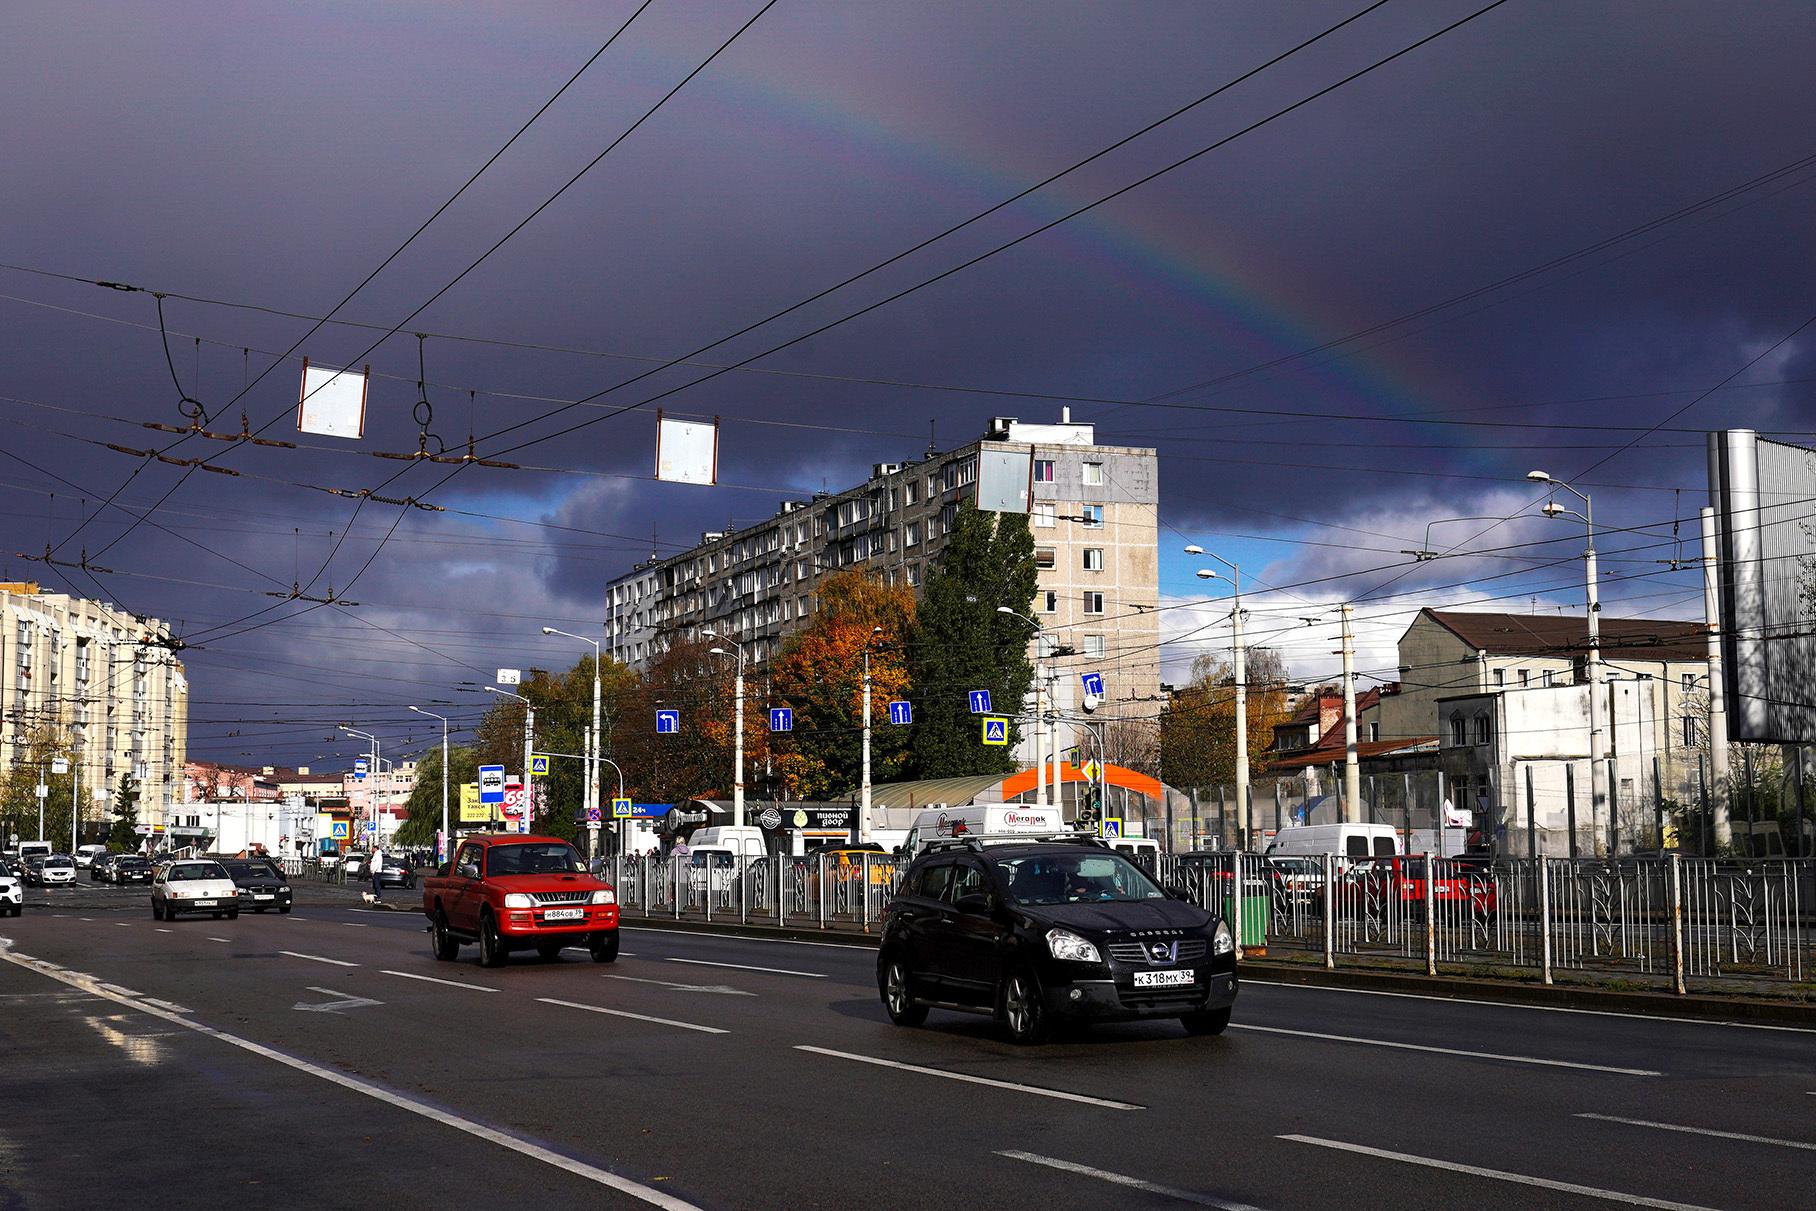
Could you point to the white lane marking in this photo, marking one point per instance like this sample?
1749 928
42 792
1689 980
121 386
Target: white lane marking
1061 1094
1709 1131
317 958
1500 1175
124 924
1123 1179
738 937
212 938
623 954
1595 1013
346 1001
725 989
354 925
779 971
517 1144
158 929
294 917
641 1017
410 975
1473 1055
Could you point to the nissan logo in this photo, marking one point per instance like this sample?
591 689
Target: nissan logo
1160 952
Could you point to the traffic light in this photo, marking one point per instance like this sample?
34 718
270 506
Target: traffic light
1090 807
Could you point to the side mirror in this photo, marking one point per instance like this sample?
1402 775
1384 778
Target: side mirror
1177 891
975 904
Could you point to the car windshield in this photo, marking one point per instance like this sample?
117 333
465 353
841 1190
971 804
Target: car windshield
534 858
132 863
1076 878
250 870
57 860
184 871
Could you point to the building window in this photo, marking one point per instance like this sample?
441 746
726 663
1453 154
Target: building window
1049 601
1093 645
1093 475
1043 470
1525 678
1459 732
1500 677
914 574
908 492
1093 603
1689 682
1374 732
1092 517
911 535
1046 516
1484 729
1044 557
1093 559
1547 678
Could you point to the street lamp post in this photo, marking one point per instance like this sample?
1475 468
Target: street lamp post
1046 738
593 747
864 790
1239 659
737 759
529 748
446 849
1598 788
371 775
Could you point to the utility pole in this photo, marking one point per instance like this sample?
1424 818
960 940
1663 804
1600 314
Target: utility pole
1059 783
1352 771
529 750
864 787
737 773
1718 710
1239 666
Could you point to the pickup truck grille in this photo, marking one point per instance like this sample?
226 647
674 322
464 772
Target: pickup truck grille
1191 950
563 897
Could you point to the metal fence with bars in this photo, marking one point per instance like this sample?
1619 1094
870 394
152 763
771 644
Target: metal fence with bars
1664 921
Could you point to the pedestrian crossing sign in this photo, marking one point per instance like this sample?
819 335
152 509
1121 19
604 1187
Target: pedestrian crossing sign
1112 828
539 765
621 809
996 731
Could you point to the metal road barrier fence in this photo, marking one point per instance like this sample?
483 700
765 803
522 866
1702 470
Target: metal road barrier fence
1658 921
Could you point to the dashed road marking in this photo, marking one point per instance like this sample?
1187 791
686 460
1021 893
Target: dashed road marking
159 929
212 938
641 1017
1473 1055
410 975
1709 1131
1123 1179
1037 1090
1499 1175
317 958
779 971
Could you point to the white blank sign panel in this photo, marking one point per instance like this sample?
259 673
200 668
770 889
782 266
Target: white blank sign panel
332 403
687 452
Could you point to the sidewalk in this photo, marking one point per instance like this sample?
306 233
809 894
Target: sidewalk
1793 1006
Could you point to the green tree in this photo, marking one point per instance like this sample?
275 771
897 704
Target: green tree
122 837
1198 725
19 803
960 642
819 673
423 808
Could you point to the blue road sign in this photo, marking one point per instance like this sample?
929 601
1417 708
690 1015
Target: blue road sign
901 711
781 719
667 722
539 765
1093 683
622 809
359 769
980 702
491 784
996 731
1111 828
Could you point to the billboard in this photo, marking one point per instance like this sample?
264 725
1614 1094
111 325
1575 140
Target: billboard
1764 493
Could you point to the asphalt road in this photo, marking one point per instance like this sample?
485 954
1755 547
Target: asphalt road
325 1059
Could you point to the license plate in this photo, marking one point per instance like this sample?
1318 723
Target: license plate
1163 979
204 903
263 897
564 914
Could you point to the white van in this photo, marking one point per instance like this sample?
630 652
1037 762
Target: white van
86 855
1143 851
28 848
1347 841
991 820
746 840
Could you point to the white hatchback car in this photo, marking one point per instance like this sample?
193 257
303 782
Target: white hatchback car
12 891
58 868
193 886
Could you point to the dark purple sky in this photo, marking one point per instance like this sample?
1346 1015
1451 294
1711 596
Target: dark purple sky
274 154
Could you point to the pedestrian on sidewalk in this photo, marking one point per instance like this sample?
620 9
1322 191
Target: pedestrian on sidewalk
378 887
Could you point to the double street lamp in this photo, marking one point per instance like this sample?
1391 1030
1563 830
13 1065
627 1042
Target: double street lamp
371 775
737 772
529 747
446 850
593 746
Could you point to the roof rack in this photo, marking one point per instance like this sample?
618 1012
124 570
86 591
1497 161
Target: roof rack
973 841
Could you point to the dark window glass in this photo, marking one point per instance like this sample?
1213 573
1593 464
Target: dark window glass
1356 847
935 879
1384 847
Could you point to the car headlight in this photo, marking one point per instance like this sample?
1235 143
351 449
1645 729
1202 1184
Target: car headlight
284 891
1064 944
517 899
608 896
1222 942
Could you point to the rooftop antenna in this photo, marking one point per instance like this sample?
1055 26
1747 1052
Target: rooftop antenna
932 442
652 541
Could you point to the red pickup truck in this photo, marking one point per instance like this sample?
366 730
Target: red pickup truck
508 891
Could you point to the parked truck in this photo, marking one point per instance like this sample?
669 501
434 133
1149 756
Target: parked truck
516 891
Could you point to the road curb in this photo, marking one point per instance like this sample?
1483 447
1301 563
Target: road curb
1508 992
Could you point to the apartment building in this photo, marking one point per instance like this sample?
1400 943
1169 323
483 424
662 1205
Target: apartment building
109 683
1092 511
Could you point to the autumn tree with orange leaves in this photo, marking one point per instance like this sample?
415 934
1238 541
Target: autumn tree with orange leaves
820 673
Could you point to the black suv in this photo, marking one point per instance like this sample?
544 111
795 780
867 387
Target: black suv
1044 931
